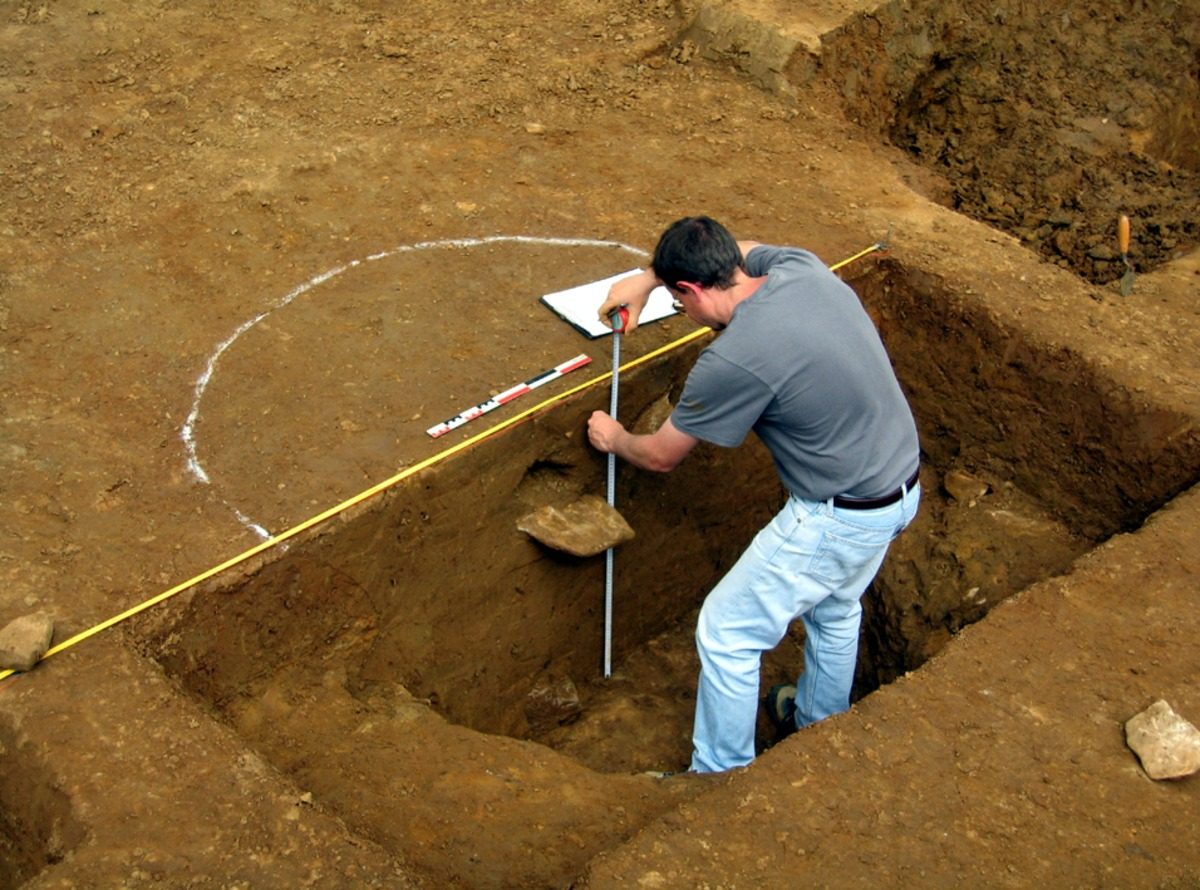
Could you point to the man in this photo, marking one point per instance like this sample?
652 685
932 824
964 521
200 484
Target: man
800 363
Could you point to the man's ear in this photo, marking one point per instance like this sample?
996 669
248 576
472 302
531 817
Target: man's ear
690 286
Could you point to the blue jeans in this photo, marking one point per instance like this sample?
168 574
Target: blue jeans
812 560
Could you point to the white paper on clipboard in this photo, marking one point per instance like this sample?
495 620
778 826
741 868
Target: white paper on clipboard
578 305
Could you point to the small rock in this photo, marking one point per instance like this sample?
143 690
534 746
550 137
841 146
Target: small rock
653 417
685 52
533 128
584 528
25 640
553 701
1167 745
994 198
964 487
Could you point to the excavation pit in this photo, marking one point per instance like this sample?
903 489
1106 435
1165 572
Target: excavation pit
1042 121
174 169
431 675
37 824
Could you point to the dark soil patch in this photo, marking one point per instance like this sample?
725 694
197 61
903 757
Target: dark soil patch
1049 122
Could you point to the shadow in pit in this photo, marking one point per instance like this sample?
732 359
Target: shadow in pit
37 825
1034 456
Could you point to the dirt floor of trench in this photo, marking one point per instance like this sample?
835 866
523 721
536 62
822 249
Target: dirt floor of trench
250 255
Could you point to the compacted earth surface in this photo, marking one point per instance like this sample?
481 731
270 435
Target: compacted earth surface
250 253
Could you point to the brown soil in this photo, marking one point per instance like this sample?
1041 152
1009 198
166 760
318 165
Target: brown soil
1051 136
249 254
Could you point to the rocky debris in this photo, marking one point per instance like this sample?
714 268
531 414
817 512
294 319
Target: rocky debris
1167 745
584 528
24 641
1045 145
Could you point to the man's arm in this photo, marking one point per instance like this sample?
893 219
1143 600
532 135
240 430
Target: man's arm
634 292
661 451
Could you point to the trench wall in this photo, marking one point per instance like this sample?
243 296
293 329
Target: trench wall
1045 121
991 397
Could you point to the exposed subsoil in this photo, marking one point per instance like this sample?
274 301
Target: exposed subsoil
249 256
1087 114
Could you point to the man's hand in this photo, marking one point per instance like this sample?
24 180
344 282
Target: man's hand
632 292
603 432
659 452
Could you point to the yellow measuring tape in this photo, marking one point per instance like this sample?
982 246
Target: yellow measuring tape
304 526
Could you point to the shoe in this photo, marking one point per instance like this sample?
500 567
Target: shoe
780 705
667 774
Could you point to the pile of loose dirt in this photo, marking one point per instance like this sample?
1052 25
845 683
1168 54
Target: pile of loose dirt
1050 123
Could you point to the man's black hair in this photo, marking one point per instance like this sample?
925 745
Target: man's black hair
697 249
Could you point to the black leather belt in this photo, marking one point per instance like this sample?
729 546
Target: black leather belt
875 503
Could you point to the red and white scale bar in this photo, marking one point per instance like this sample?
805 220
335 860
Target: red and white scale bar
507 396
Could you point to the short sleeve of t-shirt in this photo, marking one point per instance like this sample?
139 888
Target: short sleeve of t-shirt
801 363
760 258
720 402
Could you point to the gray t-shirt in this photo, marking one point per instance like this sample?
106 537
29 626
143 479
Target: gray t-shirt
802 365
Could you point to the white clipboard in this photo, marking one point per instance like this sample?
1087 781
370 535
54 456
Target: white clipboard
577 306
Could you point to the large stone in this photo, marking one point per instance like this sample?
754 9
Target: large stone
24 641
1167 745
653 417
584 528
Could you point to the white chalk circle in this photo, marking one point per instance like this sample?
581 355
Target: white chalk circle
309 402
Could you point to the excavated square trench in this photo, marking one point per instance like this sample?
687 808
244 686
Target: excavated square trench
432 675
